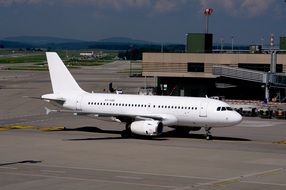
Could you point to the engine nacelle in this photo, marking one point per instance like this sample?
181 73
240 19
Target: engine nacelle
147 128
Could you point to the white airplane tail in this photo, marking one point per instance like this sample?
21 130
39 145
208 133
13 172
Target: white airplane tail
62 80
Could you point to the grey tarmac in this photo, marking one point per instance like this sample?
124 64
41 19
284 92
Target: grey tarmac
63 151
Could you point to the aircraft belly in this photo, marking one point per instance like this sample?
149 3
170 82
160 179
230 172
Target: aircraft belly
186 121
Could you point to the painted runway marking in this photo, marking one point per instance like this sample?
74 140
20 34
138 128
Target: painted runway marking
132 172
264 183
258 124
10 168
53 171
83 179
239 178
129 177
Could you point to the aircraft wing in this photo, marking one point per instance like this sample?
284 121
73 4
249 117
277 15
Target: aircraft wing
167 119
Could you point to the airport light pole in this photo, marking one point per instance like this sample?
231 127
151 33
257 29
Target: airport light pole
262 42
208 12
221 44
186 46
232 40
271 41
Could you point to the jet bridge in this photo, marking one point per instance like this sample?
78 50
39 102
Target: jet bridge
273 79
270 79
238 73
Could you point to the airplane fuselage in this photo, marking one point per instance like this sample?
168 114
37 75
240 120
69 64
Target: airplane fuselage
143 115
176 111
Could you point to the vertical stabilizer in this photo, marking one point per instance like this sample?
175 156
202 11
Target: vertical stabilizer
61 78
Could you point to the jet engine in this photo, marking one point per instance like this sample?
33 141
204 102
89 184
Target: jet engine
147 127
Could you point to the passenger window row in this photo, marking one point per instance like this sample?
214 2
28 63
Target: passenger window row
118 104
178 107
141 105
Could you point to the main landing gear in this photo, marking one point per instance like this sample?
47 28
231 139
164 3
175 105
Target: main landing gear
208 133
127 132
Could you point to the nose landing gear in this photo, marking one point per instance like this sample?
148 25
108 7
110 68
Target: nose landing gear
208 133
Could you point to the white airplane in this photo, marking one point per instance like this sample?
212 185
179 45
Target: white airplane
143 115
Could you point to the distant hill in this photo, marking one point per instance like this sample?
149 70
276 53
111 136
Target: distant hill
124 40
40 40
10 44
54 43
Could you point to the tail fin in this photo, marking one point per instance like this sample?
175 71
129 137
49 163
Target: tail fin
61 78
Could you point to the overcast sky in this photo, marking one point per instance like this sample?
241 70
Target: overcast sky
249 21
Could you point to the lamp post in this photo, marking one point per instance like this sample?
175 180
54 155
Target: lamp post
207 13
186 46
232 41
262 42
221 44
271 41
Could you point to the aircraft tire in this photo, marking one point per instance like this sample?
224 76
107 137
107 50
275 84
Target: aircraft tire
209 137
126 134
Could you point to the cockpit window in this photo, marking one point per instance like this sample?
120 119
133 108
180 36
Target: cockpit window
224 109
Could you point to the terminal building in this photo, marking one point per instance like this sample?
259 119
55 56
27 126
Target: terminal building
252 75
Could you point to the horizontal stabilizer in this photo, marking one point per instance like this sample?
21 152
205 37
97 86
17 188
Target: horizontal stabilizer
53 97
48 111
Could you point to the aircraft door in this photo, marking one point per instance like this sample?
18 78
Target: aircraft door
78 103
203 108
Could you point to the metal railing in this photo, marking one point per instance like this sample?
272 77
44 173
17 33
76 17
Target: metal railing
238 73
277 79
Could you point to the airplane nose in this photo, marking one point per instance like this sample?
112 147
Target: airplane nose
237 118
